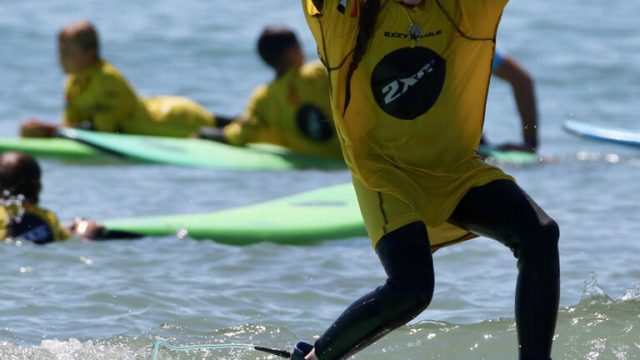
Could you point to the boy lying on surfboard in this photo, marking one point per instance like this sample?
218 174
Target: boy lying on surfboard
98 97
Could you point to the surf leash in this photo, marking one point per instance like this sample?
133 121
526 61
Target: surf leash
156 347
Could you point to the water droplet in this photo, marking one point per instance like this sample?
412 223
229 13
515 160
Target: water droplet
182 234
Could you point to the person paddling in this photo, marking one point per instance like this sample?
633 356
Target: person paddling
293 110
98 97
22 217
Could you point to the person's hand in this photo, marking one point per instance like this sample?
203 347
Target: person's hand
37 128
517 147
85 229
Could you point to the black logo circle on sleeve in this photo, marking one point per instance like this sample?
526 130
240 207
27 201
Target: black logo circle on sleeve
407 82
313 123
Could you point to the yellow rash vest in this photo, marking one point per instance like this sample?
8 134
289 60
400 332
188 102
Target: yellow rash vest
293 111
100 98
410 114
32 223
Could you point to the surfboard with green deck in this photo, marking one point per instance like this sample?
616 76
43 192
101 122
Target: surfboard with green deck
510 157
95 146
198 152
323 214
51 148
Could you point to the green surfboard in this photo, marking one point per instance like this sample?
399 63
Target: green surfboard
94 146
197 152
510 157
51 148
323 214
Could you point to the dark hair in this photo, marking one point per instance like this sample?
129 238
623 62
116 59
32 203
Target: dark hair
20 175
84 34
366 26
273 42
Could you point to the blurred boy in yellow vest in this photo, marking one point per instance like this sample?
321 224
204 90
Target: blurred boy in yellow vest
294 110
98 97
21 216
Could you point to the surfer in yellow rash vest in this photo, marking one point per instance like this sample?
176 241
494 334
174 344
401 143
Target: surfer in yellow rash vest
98 97
409 81
21 216
292 111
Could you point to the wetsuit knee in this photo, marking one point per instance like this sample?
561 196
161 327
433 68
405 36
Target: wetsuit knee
538 240
529 231
550 234
407 300
406 257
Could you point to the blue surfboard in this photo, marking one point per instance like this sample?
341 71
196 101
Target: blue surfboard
604 134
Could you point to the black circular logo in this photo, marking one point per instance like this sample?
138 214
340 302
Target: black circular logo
313 123
407 82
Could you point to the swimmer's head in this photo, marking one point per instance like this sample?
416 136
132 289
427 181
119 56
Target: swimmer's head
78 47
20 175
280 49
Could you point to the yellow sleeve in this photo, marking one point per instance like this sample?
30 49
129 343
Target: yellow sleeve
4 223
114 101
60 232
246 129
316 71
312 14
334 28
72 116
482 16
312 7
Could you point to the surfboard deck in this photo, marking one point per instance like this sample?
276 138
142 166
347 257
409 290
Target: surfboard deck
510 157
198 152
93 146
51 148
323 214
603 133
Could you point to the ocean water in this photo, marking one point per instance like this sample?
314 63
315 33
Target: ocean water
113 300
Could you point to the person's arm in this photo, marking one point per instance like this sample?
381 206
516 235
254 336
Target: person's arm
243 129
88 230
523 87
36 128
214 134
224 120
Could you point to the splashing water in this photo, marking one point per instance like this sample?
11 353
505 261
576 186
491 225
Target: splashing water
14 204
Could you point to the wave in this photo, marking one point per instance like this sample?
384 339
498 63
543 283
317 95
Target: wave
598 327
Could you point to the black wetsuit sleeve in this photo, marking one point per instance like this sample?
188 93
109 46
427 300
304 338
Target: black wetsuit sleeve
105 234
223 120
214 134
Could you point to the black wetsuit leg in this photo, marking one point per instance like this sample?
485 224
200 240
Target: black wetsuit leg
406 257
502 210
